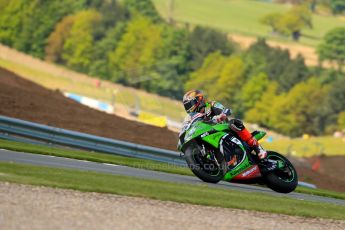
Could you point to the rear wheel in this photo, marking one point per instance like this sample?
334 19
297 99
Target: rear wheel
284 179
207 170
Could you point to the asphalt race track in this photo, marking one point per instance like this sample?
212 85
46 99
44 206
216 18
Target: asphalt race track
59 162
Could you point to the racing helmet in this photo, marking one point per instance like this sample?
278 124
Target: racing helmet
194 101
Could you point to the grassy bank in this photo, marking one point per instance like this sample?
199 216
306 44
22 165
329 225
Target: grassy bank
196 194
132 162
126 97
242 17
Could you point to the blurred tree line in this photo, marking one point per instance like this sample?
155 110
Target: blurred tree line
335 6
276 91
290 23
129 43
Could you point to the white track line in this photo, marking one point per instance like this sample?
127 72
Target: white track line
109 164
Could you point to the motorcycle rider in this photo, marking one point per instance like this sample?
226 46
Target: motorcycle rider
195 102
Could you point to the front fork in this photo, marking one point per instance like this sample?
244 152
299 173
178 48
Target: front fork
208 155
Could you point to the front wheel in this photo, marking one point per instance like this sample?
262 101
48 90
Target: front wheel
206 170
284 179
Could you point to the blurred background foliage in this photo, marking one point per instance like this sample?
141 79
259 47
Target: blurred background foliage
128 42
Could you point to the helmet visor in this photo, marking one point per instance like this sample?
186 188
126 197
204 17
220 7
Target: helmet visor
190 105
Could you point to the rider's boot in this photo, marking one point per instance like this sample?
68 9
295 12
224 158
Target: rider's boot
269 165
246 136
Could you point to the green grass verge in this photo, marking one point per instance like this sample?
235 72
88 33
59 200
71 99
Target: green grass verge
320 192
196 194
242 17
95 157
132 162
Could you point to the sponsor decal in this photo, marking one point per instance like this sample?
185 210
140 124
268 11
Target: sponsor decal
246 173
205 134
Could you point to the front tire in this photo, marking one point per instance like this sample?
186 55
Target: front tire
197 165
281 180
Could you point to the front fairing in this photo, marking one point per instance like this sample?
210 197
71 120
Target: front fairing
210 133
196 130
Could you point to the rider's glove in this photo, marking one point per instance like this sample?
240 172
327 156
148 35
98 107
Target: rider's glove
219 118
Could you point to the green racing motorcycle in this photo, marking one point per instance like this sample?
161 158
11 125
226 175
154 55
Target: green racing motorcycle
214 152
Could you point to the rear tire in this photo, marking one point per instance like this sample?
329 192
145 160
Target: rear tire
281 181
192 153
